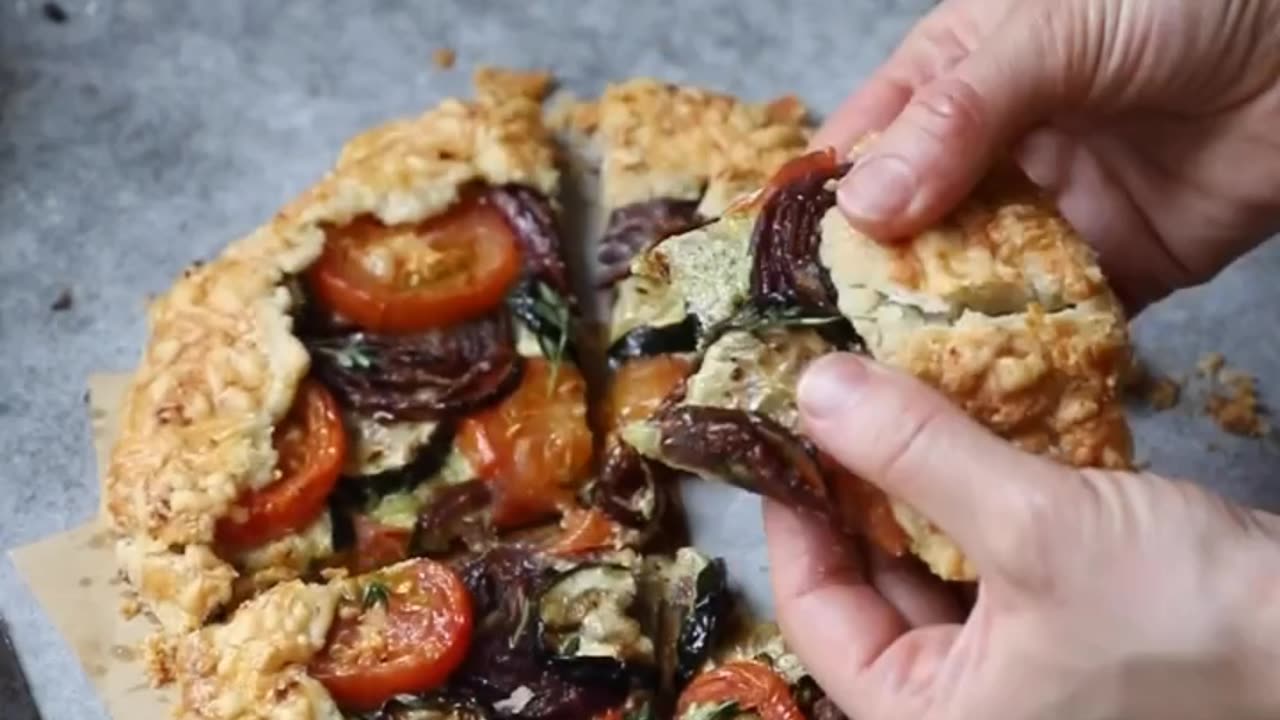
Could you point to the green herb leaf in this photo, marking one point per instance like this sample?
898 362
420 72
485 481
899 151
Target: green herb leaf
754 319
352 355
717 711
375 593
644 712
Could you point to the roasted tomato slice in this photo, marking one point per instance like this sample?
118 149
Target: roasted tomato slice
798 167
640 386
752 686
378 545
310 443
534 447
406 633
403 279
584 530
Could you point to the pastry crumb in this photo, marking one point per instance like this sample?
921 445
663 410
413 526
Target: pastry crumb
158 660
1210 364
129 608
64 301
444 58
1163 393
570 114
334 573
1235 405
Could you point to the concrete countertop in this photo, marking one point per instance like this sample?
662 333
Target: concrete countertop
138 135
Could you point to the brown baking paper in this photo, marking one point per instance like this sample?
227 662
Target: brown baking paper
73 576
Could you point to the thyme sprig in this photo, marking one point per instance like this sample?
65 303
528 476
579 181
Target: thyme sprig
375 593
353 354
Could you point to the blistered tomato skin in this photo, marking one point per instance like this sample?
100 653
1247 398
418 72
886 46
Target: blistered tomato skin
534 447
404 635
406 279
311 445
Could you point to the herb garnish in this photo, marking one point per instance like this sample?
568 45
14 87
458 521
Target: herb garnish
548 316
644 712
722 711
354 354
375 593
754 319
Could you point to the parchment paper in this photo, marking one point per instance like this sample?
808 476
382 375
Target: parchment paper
73 575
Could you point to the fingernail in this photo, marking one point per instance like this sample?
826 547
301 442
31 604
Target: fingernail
830 384
877 189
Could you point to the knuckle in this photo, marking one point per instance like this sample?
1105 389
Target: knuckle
1025 541
949 109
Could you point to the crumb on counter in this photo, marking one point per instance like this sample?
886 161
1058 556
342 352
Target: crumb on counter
444 58
64 301
55 13
1235 405
1210 364
129 608
1162 393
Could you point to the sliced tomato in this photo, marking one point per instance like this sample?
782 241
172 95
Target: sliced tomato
584 530
534 447
610 714
378 545
640 386
753 686
404 279
310 444
405 636
798 167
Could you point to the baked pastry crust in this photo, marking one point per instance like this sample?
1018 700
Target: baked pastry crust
222 364
669 141
1001 306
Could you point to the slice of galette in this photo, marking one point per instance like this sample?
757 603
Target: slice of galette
1001 306
670 159
384 369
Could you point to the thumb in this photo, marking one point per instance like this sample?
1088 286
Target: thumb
905 437
949 133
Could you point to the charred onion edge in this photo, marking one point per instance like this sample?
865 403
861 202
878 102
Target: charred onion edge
635 228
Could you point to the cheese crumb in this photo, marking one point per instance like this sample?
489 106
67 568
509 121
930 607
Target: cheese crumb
1236 407
443 58
1210 364
1162 393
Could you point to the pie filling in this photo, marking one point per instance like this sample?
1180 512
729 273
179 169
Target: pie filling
442 441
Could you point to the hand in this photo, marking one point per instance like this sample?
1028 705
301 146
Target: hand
1155 123
1103 594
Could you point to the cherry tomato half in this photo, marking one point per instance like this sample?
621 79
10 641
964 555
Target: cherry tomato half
378 545
640 386
405 636
310 443
753 686
584 530
404 279
534 447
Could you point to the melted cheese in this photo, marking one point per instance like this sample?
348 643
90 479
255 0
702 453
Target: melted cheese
380 445
757 372
644 302
597 600
709 267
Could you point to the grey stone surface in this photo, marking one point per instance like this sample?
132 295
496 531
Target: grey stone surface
142 134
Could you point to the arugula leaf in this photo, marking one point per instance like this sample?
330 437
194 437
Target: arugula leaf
375 593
